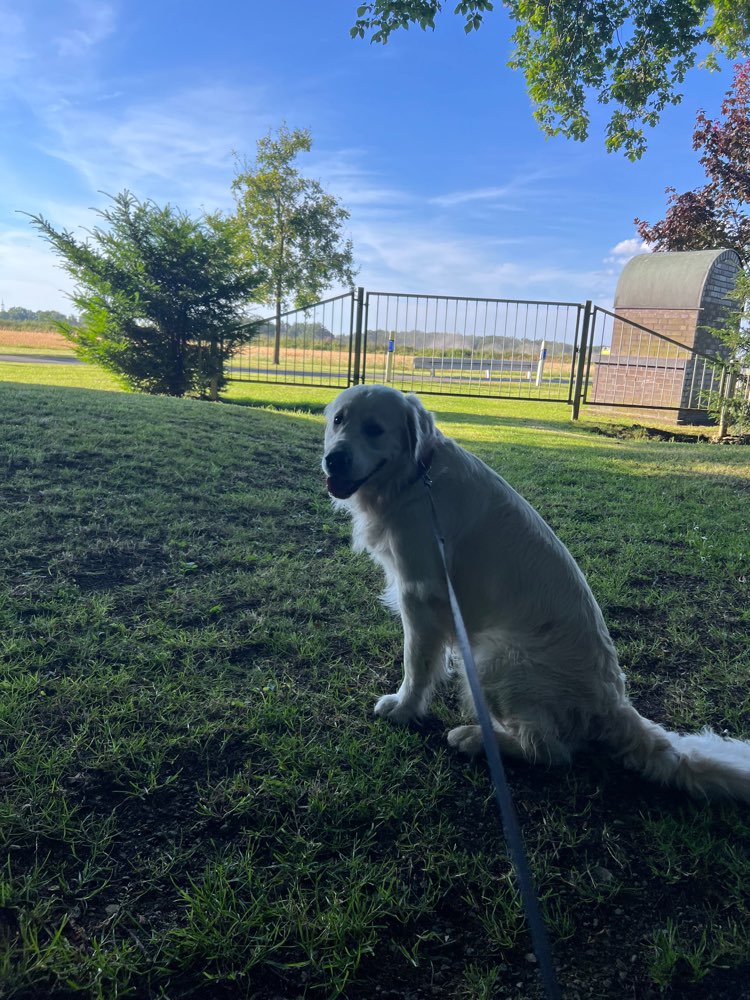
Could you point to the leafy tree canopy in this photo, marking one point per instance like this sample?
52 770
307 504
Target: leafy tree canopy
43 317
161 295
715 215
632 54
290 226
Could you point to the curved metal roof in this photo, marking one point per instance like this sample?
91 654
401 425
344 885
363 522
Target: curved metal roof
669 280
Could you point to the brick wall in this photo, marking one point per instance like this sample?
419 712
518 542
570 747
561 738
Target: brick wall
677 324
715 304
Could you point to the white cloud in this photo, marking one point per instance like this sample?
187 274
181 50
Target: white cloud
621 252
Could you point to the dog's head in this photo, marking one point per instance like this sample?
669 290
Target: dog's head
375 437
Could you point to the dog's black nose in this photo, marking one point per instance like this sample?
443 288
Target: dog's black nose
338 462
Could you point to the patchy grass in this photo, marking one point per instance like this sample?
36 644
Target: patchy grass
195 799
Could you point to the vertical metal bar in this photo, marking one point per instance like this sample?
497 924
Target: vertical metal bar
365 333
358 335
585 331
576 332
729 379
350 350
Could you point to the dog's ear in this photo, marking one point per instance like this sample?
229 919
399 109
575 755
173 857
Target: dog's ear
421 429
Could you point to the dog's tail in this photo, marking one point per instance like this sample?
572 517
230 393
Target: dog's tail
705 765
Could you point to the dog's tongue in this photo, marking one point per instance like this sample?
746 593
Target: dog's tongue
342 491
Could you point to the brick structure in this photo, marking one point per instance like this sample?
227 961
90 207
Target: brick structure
676 294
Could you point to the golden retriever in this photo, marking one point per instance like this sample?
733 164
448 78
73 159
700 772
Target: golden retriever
548 667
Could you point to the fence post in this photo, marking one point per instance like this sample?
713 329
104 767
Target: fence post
578 389
726 393
540 363
389 357
360 304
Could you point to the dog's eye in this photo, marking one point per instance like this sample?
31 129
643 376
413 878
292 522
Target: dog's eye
372 429
337 419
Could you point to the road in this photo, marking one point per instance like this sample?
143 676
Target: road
46 359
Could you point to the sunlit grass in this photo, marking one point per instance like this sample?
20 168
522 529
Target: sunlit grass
70 376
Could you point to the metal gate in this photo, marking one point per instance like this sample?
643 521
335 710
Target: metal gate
438 344
452 345
501 348
632 366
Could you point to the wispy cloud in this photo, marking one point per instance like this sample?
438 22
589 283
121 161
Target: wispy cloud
94 21
505 195
116 132
402 257
14 46
52 44
176 149
357 186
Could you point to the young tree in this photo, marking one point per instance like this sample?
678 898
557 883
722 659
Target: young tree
291 227
715 215
161 295
633 54
730 403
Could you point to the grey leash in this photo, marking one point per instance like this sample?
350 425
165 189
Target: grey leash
512 830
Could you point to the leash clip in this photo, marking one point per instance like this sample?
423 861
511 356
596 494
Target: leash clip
425 469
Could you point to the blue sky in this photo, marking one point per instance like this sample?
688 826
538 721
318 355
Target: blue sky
428 141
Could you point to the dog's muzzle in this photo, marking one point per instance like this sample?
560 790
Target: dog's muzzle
338 466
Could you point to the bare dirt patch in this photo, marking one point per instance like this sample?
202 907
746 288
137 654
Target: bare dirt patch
637 432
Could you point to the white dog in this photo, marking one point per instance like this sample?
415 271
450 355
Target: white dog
547 663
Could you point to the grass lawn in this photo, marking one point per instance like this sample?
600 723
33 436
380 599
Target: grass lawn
195 799
55 374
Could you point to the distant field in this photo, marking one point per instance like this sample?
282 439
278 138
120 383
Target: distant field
41 340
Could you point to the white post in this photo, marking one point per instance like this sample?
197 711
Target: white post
540 365
389 359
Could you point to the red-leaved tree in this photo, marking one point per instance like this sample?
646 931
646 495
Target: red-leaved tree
715 215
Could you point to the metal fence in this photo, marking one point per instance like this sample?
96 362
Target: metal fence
313 346
436 344
630 365
502 348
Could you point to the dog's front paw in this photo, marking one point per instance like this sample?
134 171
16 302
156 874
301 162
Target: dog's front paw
467 739
396 709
